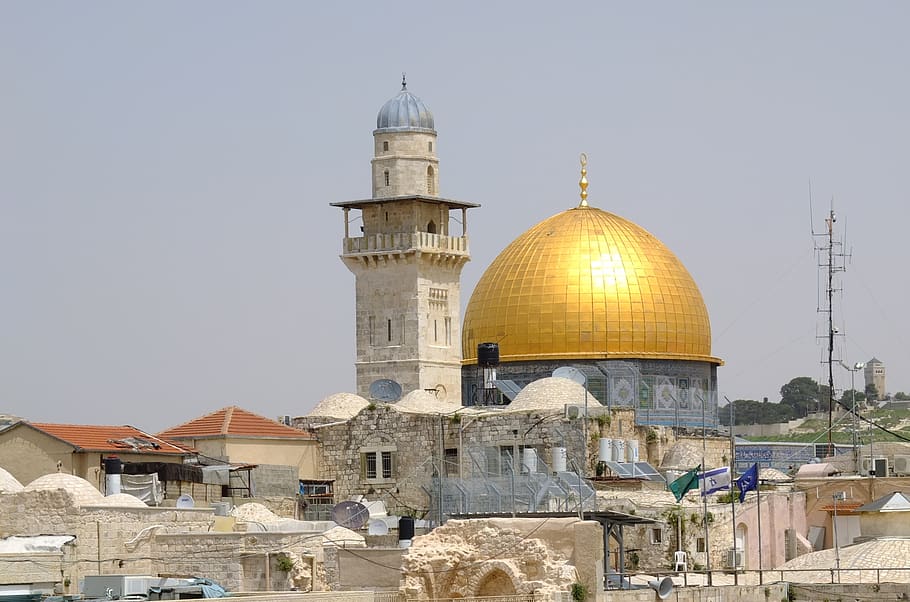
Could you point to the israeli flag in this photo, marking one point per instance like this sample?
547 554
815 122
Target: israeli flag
714 480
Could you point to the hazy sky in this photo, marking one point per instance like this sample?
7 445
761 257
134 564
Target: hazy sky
167 247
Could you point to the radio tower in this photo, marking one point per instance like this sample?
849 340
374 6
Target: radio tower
831 260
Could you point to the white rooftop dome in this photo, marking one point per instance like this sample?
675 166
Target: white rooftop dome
8 483
552 393
340 405
83 492
424 401
121 500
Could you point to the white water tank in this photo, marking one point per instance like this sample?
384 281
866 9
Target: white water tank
528 460
559 459
632 450
619 450
605 450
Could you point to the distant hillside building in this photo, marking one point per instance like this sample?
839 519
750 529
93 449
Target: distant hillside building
874 374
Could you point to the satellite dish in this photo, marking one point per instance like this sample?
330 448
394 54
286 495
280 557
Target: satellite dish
377 527
385 389
572 373
185 501
351 515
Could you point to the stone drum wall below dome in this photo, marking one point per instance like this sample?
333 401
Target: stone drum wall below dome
662 392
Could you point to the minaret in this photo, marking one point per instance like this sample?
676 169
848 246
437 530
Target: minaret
406 264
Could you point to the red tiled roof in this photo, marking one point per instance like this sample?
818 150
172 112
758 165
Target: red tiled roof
233 421
90 437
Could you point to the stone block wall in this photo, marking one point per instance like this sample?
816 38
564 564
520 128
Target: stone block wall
108 540
273 480
242 562
420 441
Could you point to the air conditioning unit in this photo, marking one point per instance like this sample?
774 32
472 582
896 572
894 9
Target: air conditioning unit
901 466
734 559
574 411
877 467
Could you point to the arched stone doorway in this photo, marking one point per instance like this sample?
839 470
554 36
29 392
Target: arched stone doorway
495 583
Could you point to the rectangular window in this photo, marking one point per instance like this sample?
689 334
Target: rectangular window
506 459
700 544
449 331
370 465
435 331
372 329
451 463
390 329
377 465
386 465
657 535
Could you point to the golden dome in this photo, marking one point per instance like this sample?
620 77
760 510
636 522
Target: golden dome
587 284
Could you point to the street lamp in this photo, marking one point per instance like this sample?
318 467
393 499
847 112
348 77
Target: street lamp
838 496
856 367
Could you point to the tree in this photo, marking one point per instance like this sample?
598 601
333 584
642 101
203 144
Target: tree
847 398
871 391
901 396
801 394
749 411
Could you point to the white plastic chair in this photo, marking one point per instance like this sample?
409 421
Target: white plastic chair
679 561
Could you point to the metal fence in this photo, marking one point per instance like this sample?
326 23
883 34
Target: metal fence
494 481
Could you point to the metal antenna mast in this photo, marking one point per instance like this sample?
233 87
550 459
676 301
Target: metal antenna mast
832 260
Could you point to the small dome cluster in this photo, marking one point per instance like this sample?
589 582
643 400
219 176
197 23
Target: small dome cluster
405 112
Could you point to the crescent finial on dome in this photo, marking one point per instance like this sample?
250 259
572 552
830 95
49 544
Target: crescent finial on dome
583 183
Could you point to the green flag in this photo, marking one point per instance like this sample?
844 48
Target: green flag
688 481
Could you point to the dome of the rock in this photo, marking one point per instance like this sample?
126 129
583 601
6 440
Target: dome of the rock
587 284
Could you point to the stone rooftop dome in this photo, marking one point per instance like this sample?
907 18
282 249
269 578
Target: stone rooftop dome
552 393
121 500
342 406
587 285
405 112
83 492
9 483
424 401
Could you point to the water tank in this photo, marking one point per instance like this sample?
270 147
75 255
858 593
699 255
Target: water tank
405 528
559 459
528 460
632 450
488 354
605 450
619 450
113 468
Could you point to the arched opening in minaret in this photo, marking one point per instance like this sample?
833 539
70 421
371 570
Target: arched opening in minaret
431 180
431 227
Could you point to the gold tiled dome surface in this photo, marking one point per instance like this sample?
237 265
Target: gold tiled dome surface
587 284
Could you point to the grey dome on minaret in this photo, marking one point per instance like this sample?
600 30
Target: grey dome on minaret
405 113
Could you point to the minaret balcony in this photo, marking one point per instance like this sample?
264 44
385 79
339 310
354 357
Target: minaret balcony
403 242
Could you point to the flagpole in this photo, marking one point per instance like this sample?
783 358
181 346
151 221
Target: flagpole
732 496
733 507
704 498
758 499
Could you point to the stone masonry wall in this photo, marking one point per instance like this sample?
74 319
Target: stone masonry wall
419 441
108 540
243 561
